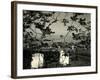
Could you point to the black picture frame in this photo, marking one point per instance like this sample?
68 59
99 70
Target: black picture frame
14 36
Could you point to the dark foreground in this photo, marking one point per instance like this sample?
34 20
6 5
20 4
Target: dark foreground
51 59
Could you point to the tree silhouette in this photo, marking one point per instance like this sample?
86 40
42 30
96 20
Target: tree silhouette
76 25
41 20
79 27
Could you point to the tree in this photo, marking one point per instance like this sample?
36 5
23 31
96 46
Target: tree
76 25
41 21
79 27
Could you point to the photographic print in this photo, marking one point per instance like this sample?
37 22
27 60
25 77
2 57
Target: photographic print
52 38
56 39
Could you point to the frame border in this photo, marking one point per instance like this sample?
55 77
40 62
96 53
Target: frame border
14 38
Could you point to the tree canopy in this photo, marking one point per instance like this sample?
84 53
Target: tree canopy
77 25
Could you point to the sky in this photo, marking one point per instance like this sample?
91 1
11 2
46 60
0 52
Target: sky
59 27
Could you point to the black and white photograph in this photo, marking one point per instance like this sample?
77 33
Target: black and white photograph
53 39
56 39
